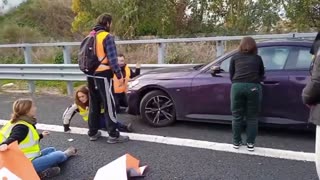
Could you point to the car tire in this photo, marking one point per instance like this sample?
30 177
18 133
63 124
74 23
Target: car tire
157 109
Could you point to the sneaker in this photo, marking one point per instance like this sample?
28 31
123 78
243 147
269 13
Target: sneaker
50 172
120 139
129 127
67 131
237 145
66 128
250 147
95 137
71 151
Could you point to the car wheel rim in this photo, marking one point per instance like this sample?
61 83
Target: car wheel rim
159 109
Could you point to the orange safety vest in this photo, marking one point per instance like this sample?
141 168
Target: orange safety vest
116 82
102 56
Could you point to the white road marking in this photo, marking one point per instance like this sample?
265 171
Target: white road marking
224 147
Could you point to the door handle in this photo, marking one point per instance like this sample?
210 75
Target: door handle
270 83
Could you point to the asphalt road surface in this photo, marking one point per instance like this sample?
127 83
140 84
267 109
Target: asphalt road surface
172 161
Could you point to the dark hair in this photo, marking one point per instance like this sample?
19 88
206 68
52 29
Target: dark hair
121 55
104 19
21 107
83 89
315 45
248 45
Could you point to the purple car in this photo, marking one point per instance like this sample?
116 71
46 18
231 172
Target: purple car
202 92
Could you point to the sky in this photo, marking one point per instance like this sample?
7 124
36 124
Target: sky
6 5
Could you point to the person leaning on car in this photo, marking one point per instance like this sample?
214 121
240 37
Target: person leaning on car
246 72
311 96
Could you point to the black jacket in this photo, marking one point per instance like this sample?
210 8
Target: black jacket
246 68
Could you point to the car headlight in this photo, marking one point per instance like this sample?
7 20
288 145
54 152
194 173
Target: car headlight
132 84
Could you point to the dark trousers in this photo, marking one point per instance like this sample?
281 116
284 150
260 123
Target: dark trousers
245 106
101 92
121 100
121 127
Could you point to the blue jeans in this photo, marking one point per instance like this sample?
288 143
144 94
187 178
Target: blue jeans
50 157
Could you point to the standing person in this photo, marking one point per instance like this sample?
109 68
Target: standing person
246 73
311 96
120 89
22 128
100 85
81 106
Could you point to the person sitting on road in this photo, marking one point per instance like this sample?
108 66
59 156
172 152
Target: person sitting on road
81 106
120 89
22 128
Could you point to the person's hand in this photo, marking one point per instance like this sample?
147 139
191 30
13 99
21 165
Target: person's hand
45 133
3 147
138 65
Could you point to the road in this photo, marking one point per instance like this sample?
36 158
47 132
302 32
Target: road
173 161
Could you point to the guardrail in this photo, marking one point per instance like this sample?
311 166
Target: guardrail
161 49
61 72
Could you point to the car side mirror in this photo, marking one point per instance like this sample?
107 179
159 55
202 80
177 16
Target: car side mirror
214 70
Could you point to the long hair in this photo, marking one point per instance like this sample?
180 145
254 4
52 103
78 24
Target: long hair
83 89
315 45
105 20
248 46
21 107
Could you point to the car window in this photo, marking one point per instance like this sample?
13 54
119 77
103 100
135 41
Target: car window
302 61
274 58
225 64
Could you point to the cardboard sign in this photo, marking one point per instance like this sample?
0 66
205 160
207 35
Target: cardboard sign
122 168
14 165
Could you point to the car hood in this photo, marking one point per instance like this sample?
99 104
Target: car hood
169 73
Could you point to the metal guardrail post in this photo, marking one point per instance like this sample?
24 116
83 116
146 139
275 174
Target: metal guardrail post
219 48
67 60
161 53
28 60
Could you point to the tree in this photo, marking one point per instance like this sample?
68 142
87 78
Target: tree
173 17
303 14
83 19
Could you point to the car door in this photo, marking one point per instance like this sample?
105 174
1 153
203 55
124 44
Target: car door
211 95
275 85
298 70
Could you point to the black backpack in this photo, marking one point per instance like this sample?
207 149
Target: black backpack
87 59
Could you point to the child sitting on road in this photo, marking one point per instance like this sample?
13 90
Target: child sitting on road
81 106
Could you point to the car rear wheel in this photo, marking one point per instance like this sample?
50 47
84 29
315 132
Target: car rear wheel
157 109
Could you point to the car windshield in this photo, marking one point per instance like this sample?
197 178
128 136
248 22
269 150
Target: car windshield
209 64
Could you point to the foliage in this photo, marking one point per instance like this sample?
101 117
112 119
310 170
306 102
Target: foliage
303 14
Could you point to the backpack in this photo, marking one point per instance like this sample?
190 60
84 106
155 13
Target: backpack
87 59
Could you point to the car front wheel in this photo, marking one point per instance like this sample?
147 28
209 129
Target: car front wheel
157 109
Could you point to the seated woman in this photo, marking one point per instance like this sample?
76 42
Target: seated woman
81 106
22 128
